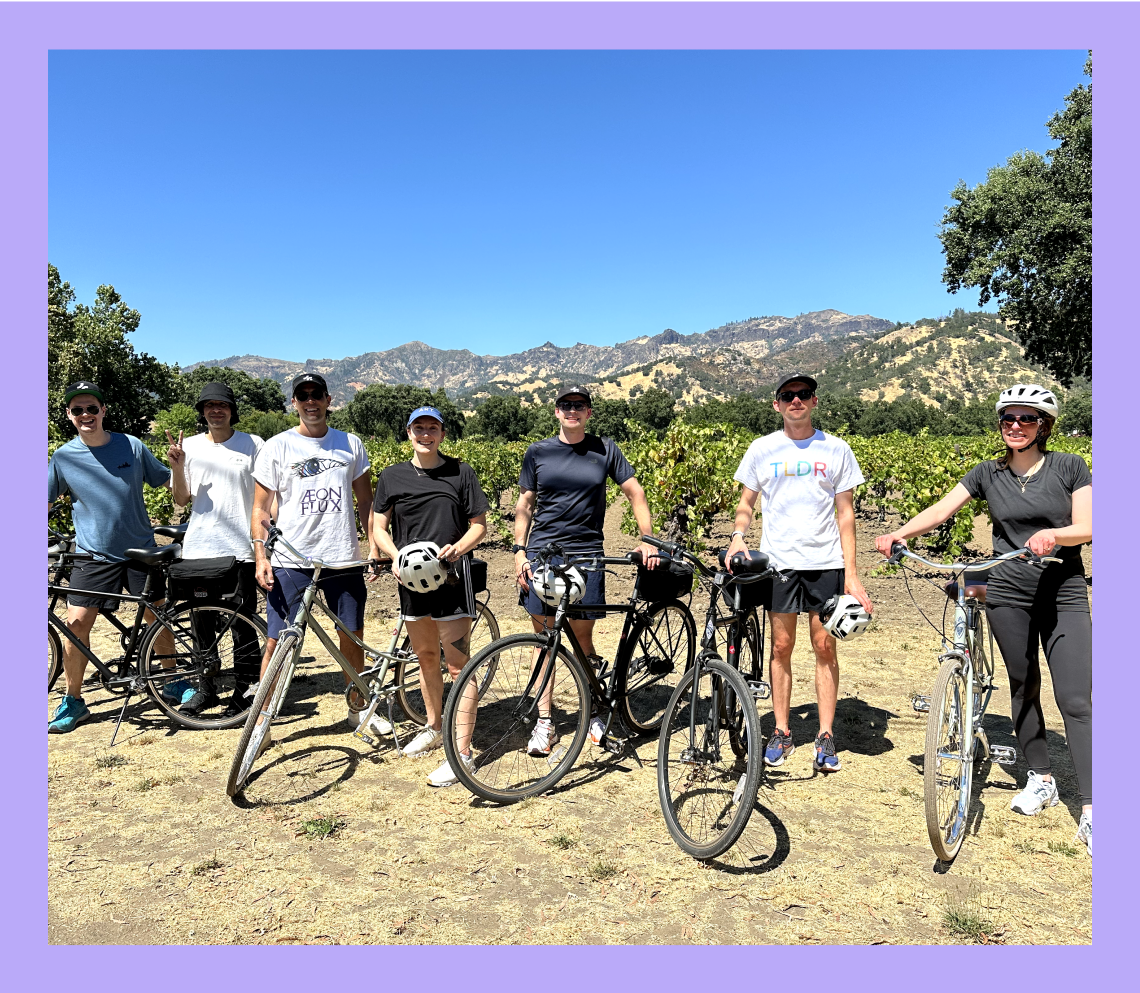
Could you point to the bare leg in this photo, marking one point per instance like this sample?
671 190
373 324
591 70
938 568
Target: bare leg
80 620
826 674
425 635
783 642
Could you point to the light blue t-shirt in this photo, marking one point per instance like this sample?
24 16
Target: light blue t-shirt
106 488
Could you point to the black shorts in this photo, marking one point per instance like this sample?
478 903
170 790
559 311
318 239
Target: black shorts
111 577
595 591
451 602
806 590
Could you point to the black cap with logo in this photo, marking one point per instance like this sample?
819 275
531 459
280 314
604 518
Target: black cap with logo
83 386
309 377
794 377
570 391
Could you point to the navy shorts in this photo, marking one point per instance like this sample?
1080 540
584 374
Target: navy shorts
343 590
806 590
112 577
595 591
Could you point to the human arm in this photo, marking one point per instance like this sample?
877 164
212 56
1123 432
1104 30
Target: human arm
741 523
382 539
524 511
263 498
845 516
176 456
154 472
477 527
1077 533
928 519
640 507
362 489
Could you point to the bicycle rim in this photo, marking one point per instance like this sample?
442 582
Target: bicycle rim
278 676
947 762
663 650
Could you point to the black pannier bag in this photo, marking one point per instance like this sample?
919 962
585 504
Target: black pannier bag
205 579
664 582
478 575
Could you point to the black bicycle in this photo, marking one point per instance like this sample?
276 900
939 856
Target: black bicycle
711 752
194 643
499 696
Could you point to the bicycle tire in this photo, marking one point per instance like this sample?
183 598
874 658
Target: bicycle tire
197 663
748 665
55 657
282 664
484 630
664 646
504 771
948 763
706 800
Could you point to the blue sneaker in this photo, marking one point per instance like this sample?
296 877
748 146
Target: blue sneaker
178 691
825 758
70 713
779 748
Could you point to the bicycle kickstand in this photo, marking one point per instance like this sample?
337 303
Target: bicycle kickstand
118 723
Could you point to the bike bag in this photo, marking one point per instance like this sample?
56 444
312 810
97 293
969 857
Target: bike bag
205 579
666 582
478 575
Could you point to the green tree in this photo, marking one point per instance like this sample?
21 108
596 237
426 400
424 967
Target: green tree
655 409
178 417
501 418
265 424
381 411
1024 237
91 343
1076 413
252 394
608 419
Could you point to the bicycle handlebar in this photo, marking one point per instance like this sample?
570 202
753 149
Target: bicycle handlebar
305 561
899 550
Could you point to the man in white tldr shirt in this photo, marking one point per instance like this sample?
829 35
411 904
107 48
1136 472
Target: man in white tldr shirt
806 480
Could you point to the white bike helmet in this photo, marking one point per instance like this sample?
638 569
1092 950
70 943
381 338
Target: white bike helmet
844 617
550 587
1029 395
420 568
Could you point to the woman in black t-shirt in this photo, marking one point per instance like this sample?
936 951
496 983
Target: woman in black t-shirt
435 498
1041 500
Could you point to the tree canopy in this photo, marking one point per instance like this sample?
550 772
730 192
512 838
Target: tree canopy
252 394
381 411
1024 238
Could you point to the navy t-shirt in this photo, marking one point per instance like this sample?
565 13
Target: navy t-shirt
430 504
569 483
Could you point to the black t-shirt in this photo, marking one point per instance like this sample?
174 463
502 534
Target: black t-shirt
1046 503
569 483
430 504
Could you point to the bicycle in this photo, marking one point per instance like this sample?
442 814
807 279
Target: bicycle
207 637
955 739
273 687
516 676
710 757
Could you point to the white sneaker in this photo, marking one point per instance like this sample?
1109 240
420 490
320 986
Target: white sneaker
597 731
543 738
445 775
1084 830
1037 795
380 725
426 741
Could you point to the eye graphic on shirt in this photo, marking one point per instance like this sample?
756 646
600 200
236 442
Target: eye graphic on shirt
315 466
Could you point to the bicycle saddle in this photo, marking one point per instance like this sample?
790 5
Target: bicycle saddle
176 532
975 587
155 556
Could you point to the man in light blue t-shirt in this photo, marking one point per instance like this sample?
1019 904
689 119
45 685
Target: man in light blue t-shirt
103 473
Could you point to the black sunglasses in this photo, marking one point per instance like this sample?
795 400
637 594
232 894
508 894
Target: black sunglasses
303 395
787 396
569 405
91 408
1019 418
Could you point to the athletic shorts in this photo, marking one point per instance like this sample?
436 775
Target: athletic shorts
343 591
806 590
451 602
111 577
595 591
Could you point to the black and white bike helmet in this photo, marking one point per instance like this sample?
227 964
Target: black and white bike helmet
420 568
1029 395
550 587
844 617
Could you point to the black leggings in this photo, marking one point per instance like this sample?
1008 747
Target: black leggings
1066 636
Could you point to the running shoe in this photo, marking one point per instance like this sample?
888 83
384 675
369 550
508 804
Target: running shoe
825 759
70 713
543 738
779 748
1038 794
426 741
1084 830
198 702
378 724
445 775
177 691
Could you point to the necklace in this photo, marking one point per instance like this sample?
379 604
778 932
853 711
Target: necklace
424 472
1024 480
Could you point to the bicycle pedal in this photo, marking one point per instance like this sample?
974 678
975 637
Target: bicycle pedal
614 746
1003 754
921 704
363 737
760 690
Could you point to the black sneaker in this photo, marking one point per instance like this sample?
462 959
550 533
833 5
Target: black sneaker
198 702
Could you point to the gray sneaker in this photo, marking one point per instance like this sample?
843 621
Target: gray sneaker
1084 830
1038 794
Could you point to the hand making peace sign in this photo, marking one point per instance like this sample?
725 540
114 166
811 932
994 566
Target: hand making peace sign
175 454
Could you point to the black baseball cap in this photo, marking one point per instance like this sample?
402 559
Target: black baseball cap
791 377
83 386
570 391
216 391
309 377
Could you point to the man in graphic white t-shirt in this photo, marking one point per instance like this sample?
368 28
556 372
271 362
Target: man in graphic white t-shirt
314 472
805 480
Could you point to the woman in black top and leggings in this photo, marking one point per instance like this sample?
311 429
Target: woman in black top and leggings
1042 500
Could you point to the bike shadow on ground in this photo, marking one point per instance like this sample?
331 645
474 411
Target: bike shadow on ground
765 845
581 774
335 756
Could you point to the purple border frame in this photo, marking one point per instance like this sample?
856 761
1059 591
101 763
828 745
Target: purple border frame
29 30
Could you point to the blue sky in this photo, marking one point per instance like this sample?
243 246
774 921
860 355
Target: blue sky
317 205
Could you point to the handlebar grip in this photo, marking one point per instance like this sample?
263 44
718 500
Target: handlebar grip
755 562
897 548
666 546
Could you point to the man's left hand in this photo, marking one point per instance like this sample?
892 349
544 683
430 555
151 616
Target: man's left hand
650 556
854 587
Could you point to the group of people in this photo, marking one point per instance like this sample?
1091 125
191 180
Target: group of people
308 477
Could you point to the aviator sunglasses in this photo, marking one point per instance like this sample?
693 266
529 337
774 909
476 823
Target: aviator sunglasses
91 408
1019 418
787 396
303 395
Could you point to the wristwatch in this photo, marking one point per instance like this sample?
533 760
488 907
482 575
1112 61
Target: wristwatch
734 534
518 548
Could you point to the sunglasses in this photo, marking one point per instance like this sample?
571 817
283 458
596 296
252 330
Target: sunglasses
1019 418
787 396
570 405
91 408
303 395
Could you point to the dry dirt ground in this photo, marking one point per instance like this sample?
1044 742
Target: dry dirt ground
150 850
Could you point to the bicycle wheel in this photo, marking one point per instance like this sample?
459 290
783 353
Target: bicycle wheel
484 630
268 700
707 792
948 762
505 716
216 650
663 650
749 665
55 657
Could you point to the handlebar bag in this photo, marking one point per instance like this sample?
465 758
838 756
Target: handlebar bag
664 582
205 579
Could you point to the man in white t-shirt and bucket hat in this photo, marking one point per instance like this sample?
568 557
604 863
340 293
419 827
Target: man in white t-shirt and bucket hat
806 480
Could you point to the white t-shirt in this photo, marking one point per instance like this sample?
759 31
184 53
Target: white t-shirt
797 482
221 485
313 479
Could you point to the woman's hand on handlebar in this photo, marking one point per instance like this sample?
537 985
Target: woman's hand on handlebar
885 542
1042 543
737 546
